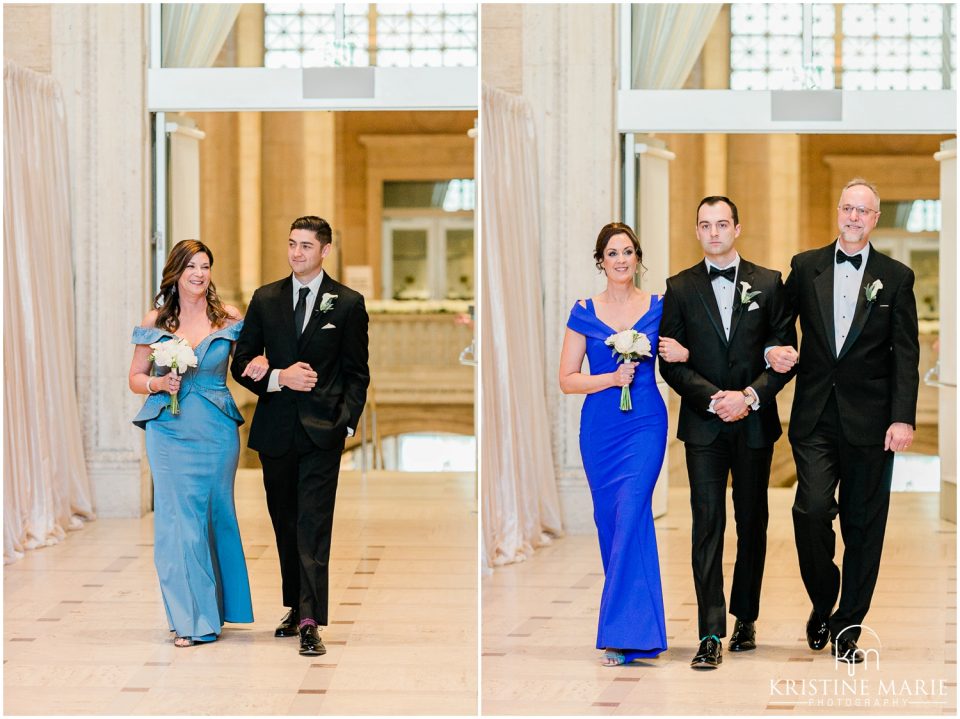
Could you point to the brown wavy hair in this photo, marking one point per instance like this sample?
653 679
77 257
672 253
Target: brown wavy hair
167 300
608 231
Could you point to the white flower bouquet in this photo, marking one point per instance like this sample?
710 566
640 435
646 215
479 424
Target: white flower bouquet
631 346
178 355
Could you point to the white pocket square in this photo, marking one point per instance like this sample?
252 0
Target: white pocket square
753 306
329 326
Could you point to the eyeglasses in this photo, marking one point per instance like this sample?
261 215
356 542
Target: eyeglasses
861 210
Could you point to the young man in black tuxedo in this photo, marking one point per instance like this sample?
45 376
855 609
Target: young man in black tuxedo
726 311
314 332
855 406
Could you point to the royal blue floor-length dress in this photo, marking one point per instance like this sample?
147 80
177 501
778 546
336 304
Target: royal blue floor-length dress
193 458
622 455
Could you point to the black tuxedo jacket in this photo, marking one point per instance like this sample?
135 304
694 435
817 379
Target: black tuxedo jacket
691 316
337 354
875 374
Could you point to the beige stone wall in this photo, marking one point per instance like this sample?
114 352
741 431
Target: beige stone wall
26 36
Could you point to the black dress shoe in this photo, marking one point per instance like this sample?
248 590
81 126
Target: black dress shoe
310 642
818 633
846 650
288 625
709 656
744 637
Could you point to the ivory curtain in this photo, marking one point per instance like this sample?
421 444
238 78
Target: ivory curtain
45 485
193 33
667 39
520 506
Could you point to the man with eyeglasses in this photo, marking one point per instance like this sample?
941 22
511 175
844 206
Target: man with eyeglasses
854 407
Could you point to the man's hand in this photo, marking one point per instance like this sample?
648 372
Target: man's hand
782 359
299 377
899 437
729 405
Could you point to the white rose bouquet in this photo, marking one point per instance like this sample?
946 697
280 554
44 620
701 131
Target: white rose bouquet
177 354
631 346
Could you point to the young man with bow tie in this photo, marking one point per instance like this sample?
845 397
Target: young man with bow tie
726 311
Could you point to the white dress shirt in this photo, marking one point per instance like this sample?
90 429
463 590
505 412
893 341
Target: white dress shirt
726 293
847 286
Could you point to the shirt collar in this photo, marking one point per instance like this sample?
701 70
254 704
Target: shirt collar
735 263
314 284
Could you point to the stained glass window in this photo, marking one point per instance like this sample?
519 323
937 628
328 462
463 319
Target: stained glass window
865 46
360 34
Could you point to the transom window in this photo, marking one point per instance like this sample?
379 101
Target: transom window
856 46
362 34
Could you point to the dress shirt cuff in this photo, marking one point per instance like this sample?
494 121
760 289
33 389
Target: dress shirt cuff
710 406
273 384
756 398
349 432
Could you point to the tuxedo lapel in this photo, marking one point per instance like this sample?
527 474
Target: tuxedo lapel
701 281
286 309
823 288
862 313
326 284
745 274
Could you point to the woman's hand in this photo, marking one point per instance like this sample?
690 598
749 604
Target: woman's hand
257 368
624 374
170 382
672 351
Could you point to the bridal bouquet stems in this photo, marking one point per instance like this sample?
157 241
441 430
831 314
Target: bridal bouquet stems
178 355
628 346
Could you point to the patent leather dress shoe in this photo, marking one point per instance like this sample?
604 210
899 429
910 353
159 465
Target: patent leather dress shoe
288 625
311 644
709 656
846 650
744 637
818 633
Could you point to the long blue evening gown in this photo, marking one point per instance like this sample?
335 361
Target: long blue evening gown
622 455
193 458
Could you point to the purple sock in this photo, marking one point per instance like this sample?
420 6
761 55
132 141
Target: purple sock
307 622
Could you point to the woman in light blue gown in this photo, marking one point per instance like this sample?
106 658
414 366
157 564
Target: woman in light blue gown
193 455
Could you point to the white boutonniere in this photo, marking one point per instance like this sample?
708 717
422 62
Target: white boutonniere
326 302
746 296
872 290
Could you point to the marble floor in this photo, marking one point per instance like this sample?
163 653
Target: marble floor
84 628
539 630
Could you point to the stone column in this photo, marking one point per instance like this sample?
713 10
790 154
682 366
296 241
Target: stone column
948 330
98 55
569 76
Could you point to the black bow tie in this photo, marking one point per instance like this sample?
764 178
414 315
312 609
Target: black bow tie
854 260
728 274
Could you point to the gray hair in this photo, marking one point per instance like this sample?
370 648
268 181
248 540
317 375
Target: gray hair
860 181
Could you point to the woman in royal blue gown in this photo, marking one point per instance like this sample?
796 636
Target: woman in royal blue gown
193 455
622 451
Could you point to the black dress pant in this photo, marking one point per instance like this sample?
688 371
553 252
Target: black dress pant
708 467
825 460
301 489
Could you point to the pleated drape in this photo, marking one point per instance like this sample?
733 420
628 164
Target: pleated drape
45 483
521 506
667 40
194 33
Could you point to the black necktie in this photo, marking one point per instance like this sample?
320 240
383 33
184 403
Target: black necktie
728 274
854 260
301 311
